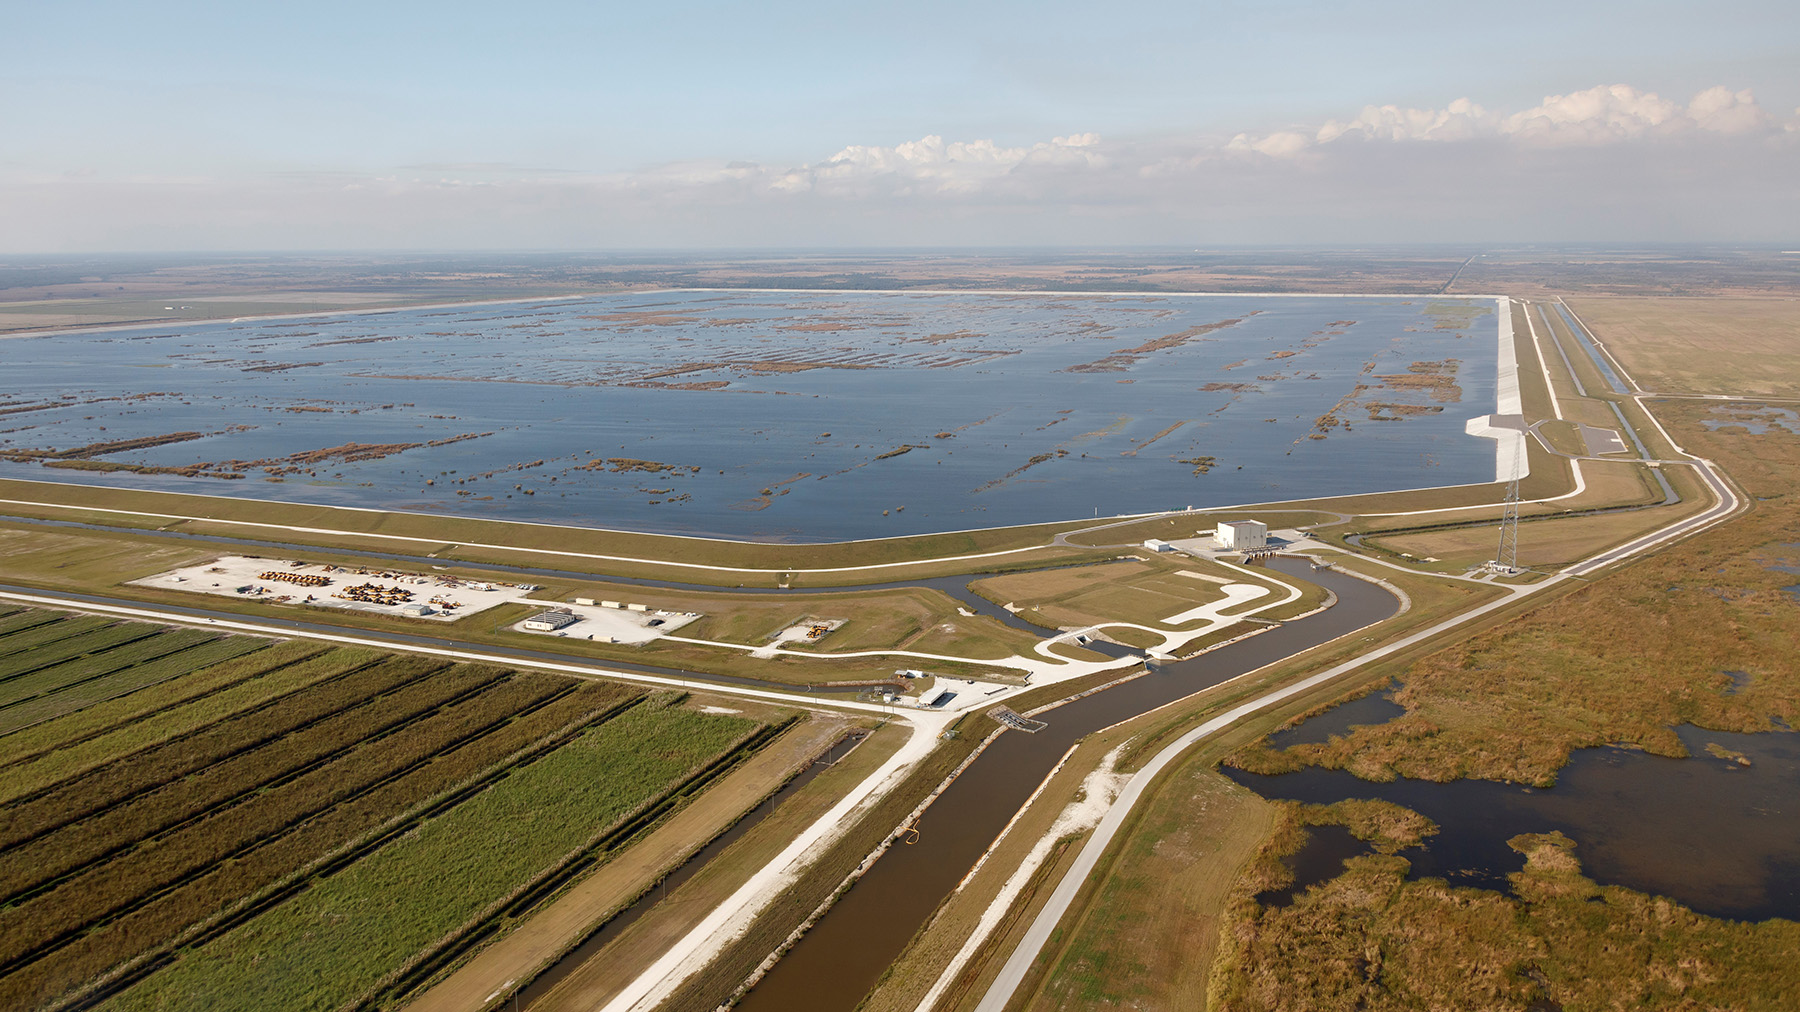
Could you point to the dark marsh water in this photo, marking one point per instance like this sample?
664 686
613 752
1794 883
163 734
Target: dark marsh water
1721 838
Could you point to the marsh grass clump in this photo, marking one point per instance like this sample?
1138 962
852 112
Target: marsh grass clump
1373 938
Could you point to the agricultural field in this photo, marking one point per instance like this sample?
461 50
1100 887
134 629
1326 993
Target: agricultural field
179 807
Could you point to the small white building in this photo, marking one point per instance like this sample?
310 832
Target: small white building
1242 535
415 610
1158 546
549 621
934 697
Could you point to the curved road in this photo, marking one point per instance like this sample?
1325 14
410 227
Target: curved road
837 962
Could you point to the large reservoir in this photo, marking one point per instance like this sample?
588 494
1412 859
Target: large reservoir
774 415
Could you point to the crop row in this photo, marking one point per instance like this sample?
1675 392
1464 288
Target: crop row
94 635
110 880
20 620
71 729
111 784
129 676
55 853
571 867
167 710
35 629
134 645
93 653
281 867
389 906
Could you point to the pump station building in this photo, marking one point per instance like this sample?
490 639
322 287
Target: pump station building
1242 535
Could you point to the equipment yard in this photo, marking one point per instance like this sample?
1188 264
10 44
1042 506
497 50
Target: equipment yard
382 591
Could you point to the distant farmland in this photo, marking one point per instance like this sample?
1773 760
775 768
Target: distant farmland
294 825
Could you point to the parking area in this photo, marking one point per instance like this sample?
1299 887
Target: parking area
603 623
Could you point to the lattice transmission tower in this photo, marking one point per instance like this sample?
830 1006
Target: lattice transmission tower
1506 559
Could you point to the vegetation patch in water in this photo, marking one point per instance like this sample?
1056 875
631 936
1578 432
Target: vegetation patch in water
1372 938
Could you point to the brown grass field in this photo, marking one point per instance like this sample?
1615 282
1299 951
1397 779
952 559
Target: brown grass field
1157 917
1748 347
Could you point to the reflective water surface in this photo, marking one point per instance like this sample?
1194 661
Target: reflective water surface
1721 837
777 415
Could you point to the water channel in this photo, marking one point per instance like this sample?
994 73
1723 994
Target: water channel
836 963
840 959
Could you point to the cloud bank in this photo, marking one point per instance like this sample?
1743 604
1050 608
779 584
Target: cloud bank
1609 162
1600 115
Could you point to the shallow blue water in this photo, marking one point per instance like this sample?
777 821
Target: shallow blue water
799 394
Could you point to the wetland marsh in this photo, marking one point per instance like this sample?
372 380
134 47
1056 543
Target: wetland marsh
773 415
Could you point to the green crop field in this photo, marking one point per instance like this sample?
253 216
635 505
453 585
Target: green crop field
64 746
339 939
79 683
35 647
166 792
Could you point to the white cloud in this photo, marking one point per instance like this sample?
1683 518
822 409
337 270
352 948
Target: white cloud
1728 112
1600 115
1281 144
932 165
1612 161
1606 113
1460 120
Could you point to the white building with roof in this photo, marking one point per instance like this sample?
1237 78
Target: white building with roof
550 621
1242 535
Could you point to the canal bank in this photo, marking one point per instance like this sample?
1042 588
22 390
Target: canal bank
833 966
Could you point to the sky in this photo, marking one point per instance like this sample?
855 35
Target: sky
446 125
